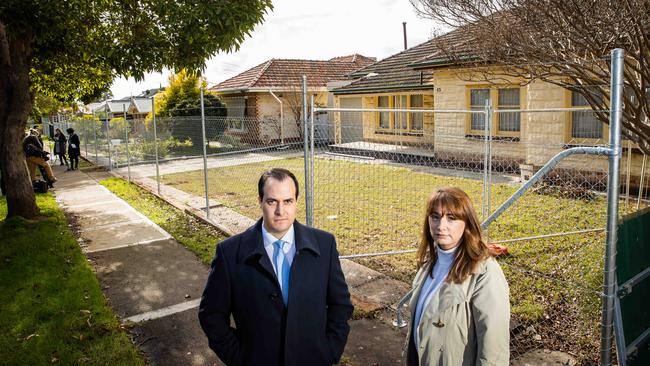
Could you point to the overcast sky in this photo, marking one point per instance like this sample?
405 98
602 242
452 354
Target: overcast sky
314 30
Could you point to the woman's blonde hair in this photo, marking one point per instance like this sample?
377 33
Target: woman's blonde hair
471 248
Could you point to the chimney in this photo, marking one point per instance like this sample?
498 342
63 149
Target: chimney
404 29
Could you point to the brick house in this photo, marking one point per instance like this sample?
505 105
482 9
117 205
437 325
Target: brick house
264 103
426 77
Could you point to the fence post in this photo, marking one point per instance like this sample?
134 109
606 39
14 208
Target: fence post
83 131
95 136
205 159
155 141
305 133
486 116
108 139
489 168
126 136
641 183
609 280
628 169
310 218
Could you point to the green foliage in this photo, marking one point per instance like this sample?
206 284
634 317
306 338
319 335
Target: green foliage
78 47
183 99
52 310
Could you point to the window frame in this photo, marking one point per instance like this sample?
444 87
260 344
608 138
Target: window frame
392 115
494 102
568 130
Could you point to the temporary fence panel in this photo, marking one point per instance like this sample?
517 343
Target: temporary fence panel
633 278
365 173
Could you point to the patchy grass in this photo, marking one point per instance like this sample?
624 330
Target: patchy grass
189 231
554 282
52 310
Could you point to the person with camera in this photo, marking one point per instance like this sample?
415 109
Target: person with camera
36 156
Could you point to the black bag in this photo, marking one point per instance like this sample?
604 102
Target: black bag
40 186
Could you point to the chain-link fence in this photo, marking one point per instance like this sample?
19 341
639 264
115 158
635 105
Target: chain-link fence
367 173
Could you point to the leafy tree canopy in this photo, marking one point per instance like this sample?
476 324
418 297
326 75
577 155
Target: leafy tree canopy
73 49
78 47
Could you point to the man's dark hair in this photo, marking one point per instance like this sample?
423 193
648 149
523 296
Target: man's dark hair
70 130
278 174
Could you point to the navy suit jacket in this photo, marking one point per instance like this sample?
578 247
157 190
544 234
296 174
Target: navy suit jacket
311 330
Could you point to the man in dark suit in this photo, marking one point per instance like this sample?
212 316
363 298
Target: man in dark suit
283 285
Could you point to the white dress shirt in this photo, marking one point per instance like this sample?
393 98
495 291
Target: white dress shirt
288 248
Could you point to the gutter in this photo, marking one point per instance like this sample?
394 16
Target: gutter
281 115
380 89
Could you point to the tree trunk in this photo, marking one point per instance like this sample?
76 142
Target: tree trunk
15 103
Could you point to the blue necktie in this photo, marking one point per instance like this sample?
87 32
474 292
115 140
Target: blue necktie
282 268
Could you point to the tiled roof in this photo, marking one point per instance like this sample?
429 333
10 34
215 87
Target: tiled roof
398 72
393 72
282 73
454 47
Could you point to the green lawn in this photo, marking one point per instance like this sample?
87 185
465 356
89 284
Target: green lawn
189 231
52 310
554 282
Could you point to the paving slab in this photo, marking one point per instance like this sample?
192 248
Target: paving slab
96 207
175 340
121 235
142 278
372 290
108 217
73 198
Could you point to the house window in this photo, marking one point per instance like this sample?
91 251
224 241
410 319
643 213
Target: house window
384 117
417 102
509 121
409 121
236 124
401 118
584 124
477 103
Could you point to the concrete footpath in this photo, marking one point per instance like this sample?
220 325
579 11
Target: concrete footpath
154 283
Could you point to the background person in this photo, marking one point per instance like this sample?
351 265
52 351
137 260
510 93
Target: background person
35 157
74 149
282 283
60 144
460 307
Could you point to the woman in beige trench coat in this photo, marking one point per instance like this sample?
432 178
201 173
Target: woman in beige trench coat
460 307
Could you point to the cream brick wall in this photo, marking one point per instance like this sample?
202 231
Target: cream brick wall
543 134
268 113
451 128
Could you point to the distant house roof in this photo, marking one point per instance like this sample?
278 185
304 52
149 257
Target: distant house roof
114 106
283 73
140 105
411 68
150 92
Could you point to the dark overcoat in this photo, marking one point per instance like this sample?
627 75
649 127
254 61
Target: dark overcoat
311 330
76 150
